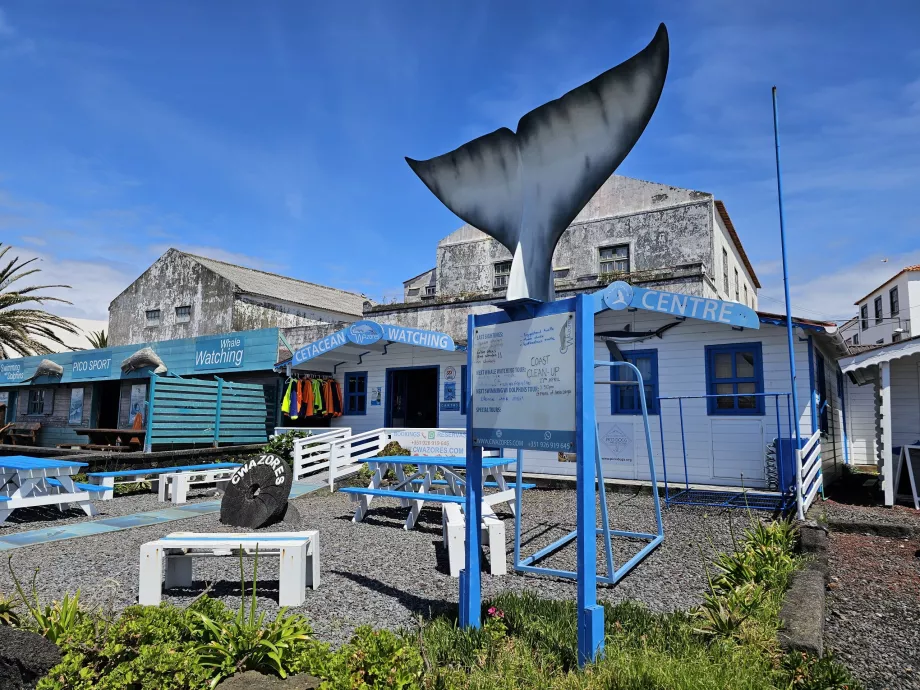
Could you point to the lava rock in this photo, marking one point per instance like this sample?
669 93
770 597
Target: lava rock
291 516
253 680
257 494
25 657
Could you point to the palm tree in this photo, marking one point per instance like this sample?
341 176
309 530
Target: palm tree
21 322
98 339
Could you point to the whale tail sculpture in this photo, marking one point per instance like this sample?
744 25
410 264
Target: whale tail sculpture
525 188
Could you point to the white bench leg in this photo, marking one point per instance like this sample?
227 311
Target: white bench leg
151 575
178 571
312 569
4 514
498 559
417 505
162 488
180 486
109 483
292 576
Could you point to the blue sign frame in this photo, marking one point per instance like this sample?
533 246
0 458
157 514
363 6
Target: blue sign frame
92 365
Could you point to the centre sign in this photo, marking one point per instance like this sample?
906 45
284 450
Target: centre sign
524 384
619 295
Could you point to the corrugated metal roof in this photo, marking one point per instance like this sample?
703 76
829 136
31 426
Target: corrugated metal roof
255 282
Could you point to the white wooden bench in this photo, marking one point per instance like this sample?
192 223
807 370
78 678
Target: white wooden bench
298 553
174 486
150 474
453 528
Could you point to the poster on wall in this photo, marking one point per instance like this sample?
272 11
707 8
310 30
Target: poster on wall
138 402
450 391
376 395
524 384
431 442
617 443
4 399
76 406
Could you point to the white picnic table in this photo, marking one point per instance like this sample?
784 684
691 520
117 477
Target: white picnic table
451 488
26 482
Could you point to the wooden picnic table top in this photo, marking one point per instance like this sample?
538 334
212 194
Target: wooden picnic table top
121 432
24 462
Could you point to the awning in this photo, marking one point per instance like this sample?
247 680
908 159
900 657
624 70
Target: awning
883 353
350 344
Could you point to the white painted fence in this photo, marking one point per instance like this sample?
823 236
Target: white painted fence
312 454
348 455
809 477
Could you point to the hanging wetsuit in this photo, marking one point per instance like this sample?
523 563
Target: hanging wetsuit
307 398
300 396
294 402
336 399
317 397
286 400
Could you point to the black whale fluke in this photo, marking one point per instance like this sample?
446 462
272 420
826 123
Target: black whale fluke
525 188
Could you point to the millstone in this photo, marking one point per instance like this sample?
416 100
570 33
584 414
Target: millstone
257 493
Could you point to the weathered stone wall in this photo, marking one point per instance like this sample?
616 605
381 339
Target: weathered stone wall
252 313
172 281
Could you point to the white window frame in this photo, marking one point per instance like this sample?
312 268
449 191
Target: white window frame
725 272
500 276
614 260
184 316
153 320
431 290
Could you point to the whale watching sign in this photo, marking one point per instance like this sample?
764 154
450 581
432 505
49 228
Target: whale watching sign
362 333
619 295
524 384
220 353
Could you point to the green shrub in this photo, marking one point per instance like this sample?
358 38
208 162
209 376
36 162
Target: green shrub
282 445
807 672
375 660
8 614
54 621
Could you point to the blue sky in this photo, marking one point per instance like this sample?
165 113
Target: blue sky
273 133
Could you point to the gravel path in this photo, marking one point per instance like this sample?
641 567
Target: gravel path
899 515
873 609
376 573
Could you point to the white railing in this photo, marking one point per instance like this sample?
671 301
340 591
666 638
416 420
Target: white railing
809 476
313 430
312 454
348 455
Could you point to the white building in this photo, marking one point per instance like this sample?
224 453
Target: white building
885 314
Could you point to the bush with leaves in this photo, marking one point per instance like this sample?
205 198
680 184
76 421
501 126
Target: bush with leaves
374 660
282 445
54 621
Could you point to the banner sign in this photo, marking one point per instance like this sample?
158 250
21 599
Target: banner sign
369 332
431 442
620 295
219 352
617 443
94 365
75 415
12 372
524 384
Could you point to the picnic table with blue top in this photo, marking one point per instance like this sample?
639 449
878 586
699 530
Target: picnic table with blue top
26 482
413 489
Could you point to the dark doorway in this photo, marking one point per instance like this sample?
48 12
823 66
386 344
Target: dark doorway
106 405
412 397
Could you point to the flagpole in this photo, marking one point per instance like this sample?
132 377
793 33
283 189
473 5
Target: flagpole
789 334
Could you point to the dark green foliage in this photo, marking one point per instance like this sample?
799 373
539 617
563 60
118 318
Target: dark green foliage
807 672
391 449
375 660
282 445
8 615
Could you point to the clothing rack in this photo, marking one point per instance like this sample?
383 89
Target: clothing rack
303 390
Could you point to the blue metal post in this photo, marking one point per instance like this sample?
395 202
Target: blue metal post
590 615
471 575
664 458
782 238
683 442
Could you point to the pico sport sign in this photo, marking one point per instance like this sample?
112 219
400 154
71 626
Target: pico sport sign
220 353
369 332
94 365
619 295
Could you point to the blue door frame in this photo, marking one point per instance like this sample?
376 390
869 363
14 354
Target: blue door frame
387 416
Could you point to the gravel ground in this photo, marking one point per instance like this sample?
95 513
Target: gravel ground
378 574
880 515
873 608
23 519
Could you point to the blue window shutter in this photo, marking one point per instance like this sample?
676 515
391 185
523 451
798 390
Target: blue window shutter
355 402
735 380
625 399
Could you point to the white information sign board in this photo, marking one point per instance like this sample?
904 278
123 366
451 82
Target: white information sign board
524 384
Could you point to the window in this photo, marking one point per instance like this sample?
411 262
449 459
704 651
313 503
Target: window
823 403
356 392
561 273
463 389
856 338
625 399
613 259
746 296
183 314
725 270
500 274
153 317
880 341
737 289
864 317
878 310
41 401
734 370
894 301
412 292
896 338
431 290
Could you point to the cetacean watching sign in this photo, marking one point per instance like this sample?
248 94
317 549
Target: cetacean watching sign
619 295
369 332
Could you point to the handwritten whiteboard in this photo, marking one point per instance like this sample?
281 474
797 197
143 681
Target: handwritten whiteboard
524 384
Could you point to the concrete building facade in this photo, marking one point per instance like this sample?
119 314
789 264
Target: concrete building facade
884 316
186 296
